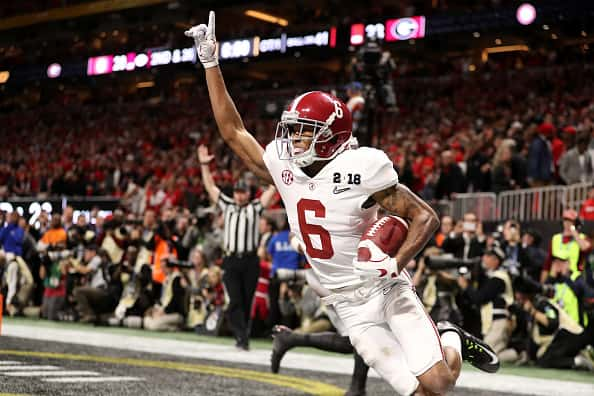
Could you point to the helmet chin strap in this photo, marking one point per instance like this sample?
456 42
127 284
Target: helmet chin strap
305 160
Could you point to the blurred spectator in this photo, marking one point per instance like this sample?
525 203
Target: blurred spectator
356 104
301 301
479 166
493 296
451 179
196 279
534 256
17 283
213 301
553 330
137 298
213 240
283 255
42 224
540 158
54 236
163 249
268 229
569 244
30 254
439 289
261 306
565 295
577 165
170 311
587 207
503 177
467 239
512 247
447 226
12 235
53 272
101 294
68 217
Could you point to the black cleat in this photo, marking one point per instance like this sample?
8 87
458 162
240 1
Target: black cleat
474 350
280 346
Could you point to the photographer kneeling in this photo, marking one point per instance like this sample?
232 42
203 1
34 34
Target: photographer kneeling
556 338
493 296
16 283
102 292
170 311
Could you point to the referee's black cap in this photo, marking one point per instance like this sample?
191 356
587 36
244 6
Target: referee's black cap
240 185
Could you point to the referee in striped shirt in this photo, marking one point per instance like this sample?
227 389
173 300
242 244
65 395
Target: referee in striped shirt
241 264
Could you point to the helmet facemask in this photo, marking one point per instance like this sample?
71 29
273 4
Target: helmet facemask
292 129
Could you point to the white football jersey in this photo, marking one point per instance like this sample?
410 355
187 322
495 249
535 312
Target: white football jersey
325 211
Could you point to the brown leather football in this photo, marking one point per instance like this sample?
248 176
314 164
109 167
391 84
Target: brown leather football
388 233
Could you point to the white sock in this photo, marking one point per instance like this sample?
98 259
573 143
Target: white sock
452 339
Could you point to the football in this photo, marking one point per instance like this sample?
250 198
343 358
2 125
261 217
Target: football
388 233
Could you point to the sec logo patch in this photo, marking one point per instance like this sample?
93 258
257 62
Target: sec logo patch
287 177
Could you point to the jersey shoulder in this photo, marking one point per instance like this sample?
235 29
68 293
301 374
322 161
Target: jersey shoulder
376 170
367 159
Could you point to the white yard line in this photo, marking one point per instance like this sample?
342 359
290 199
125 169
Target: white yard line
8 363
27 368
293 360
92 379
53 373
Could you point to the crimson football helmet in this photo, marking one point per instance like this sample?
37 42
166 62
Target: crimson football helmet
323 114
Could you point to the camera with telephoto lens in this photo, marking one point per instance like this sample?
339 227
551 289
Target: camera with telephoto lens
295 279
289 275
57 252
173 262
447 262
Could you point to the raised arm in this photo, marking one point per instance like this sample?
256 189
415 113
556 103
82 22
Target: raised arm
423 220
205 159
268 197
226 115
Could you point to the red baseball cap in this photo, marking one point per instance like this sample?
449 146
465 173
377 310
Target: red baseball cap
546 129
570 129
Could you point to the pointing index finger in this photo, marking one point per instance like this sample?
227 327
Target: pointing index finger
211 24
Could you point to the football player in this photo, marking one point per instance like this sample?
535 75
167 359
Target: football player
332 193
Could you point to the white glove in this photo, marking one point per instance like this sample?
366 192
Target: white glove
379 265
205 42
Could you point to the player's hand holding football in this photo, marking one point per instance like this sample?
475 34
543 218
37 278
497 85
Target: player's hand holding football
372 262
206 42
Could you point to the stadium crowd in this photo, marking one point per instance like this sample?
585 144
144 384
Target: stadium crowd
496 130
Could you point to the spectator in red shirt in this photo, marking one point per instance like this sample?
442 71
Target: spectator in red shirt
587 208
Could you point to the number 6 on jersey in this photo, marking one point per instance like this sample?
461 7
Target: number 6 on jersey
327 251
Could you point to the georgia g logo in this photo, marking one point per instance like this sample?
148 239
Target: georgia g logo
287 177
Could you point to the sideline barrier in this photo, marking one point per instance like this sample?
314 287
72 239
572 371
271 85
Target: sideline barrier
529 204
483 204
542 203
575 194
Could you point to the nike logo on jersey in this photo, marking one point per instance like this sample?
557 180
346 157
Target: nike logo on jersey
340 190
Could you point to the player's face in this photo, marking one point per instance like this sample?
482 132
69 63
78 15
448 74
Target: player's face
301 140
